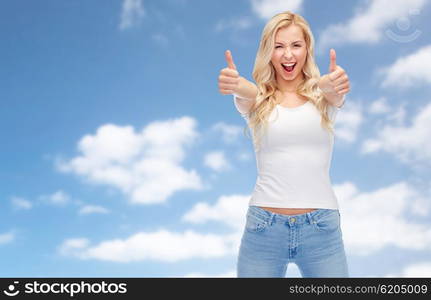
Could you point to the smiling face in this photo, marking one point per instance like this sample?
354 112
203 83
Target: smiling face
289 49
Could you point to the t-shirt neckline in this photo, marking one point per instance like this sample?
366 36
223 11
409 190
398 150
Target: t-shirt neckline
293 108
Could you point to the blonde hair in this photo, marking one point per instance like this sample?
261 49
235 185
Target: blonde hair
264 75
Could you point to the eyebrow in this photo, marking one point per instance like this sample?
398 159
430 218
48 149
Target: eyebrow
291 43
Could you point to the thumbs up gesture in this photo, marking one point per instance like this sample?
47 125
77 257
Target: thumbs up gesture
228 80
336 83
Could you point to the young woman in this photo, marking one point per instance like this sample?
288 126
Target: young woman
293 212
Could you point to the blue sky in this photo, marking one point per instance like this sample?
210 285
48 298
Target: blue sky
121 159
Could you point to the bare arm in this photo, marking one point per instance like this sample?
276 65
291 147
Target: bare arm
230 83
336 84
246 89
245 96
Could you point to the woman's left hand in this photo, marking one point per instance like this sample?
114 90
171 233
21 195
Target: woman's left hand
336 83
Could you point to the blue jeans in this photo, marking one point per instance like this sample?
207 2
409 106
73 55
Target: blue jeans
313 241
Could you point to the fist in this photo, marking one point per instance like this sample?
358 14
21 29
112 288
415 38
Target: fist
336 82
228 80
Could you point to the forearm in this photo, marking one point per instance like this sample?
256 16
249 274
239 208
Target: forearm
246 89
333 99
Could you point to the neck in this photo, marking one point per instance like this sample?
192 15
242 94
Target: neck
289 86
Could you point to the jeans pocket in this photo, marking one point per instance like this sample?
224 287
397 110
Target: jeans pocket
327 222
255 223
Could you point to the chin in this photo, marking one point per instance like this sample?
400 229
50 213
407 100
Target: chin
291 77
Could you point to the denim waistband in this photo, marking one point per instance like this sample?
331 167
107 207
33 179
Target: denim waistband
299 219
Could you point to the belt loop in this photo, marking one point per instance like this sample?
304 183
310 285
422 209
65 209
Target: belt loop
309 218
272 218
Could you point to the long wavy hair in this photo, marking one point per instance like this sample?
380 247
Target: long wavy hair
264 76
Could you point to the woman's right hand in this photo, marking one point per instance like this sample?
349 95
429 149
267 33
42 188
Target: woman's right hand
228 80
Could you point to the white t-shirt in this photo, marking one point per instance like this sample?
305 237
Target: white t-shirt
294 159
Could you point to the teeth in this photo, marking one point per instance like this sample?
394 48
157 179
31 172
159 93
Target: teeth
288 65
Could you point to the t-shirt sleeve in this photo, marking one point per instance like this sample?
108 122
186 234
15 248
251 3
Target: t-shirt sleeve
242 105
333 110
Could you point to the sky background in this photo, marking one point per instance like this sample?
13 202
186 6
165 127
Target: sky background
120 158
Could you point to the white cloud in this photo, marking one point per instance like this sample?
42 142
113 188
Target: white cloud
398 115
73 246
146 165
21 203
417 270
408 143
379 106
230 133
6 238
57 198
375 219
370 220
369 22
93 209
263 9
266 9
388 113
217 161
348 121
244 156
132 12
166 246
230 210
409 71
161 245
237 23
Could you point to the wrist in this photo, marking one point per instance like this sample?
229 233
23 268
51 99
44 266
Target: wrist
245 89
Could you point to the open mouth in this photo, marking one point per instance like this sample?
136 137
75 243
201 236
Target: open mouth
289 68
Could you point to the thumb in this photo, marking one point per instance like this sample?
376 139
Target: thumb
229 60
333 63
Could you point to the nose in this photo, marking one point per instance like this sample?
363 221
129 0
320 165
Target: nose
287 53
